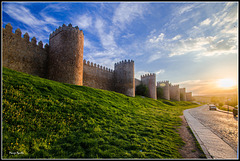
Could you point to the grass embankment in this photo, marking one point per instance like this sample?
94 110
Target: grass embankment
226 108
47 119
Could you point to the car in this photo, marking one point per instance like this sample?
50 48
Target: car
212 107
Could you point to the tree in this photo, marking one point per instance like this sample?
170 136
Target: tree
142 90
159 92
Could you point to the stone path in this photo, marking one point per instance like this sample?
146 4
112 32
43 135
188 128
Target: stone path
213 146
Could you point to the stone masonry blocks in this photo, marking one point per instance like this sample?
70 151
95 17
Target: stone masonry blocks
165 86
124 77
66 55
174 92
150 81
183 94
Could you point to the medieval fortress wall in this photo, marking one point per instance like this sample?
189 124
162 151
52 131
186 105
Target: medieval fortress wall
62 60
65 57
97 76
23 55
150 81
165 87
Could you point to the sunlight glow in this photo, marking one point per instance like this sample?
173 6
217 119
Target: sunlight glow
226 83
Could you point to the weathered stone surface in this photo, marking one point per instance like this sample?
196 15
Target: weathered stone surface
65 63
174 92
165 86
62 60
97 77
189 96
150 81
124 78
183 94
21 55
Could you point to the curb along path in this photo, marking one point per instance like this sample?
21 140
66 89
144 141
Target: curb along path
213 146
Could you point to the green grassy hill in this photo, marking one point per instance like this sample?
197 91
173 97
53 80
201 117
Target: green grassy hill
47 119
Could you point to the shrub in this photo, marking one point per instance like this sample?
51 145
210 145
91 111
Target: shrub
142 90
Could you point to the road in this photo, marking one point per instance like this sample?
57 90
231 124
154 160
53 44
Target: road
221 123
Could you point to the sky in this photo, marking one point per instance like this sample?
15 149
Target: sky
193 44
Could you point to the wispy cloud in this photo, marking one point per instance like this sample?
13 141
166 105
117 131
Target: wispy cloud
154 57
222 25
157 39
205 22
160 71
24 15
126 13
83 21
176 37
185 8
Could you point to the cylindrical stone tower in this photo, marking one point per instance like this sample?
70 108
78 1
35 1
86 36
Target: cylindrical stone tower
183 94
124 77
150 81
65 62
165 86
174 92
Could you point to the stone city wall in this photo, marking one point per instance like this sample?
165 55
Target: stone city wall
66 55
174 92
97 76
165 87
183 94
22 55
124 77
150 81
189 96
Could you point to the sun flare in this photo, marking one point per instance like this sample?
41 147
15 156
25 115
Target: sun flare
226 83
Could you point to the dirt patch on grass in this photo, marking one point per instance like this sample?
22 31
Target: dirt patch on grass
190 149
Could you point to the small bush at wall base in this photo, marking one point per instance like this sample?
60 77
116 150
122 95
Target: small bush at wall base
142 90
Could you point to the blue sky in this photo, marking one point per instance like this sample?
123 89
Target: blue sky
193 44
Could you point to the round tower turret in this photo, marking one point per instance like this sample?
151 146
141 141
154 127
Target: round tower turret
65 62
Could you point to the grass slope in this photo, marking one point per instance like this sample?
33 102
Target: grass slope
47 119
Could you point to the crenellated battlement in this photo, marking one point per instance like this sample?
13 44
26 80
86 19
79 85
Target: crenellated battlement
22 54
150 81
62 60
165 81
18 34
124 62
162 82
148 75
176 85
100 67
66 28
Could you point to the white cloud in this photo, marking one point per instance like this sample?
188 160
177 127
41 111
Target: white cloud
107 39
157 39
205 22
161 71
24 15
88 44
177 37
184 9
128 35
224 40
126 13
154 57
83 21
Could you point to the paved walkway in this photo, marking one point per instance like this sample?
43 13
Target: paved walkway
213 146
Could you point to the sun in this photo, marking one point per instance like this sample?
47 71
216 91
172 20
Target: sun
226 83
